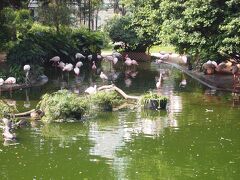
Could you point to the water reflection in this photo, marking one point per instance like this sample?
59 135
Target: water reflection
181 143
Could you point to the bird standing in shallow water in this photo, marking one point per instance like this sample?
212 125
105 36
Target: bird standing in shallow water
94 67
76 71
55 60
91 90
103 76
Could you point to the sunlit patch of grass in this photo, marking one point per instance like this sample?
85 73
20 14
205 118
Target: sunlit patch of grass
159 48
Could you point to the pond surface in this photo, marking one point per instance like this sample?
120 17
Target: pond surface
198 137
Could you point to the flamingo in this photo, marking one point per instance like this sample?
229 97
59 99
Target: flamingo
79 56
61 65
79 64
128 82
91 90
116 54
10 80
183 83
1 83
115 60
134 62
158 84
128 61
27 68
76 71
103 76
99 57
68 68
94 67
55 60
90 57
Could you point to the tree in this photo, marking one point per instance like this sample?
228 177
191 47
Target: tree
139 28
200 28
56 14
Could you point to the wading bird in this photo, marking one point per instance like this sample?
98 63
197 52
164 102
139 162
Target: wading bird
91 90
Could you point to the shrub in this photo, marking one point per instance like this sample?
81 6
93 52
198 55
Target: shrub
5 109
106 98
154 101
62 105
46 43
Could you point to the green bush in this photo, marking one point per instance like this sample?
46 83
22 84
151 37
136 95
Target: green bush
150 96
106 97
5 109
42 43
62 105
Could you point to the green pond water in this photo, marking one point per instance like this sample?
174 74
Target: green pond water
198 137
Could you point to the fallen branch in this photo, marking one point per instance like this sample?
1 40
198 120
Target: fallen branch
121 92
28 113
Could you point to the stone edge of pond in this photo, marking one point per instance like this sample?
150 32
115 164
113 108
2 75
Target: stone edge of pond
204 79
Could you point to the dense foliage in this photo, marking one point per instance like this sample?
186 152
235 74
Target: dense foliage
5 109
138 31
106 97
14 25
206 29
148 98
46 43
63 105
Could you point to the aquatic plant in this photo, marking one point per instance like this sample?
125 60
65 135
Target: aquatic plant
63 105
106 99
154 101
6 109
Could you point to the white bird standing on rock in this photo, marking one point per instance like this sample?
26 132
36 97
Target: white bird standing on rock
79 56
103 76
91 90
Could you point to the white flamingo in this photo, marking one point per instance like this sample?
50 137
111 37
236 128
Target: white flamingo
79 56
128 61
76 71
158 84
115 60
10 80
79 64
27 68
134 62
99 57
103 76
183 83
1 81
90 57
55 60
91 90
61 65
68 68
